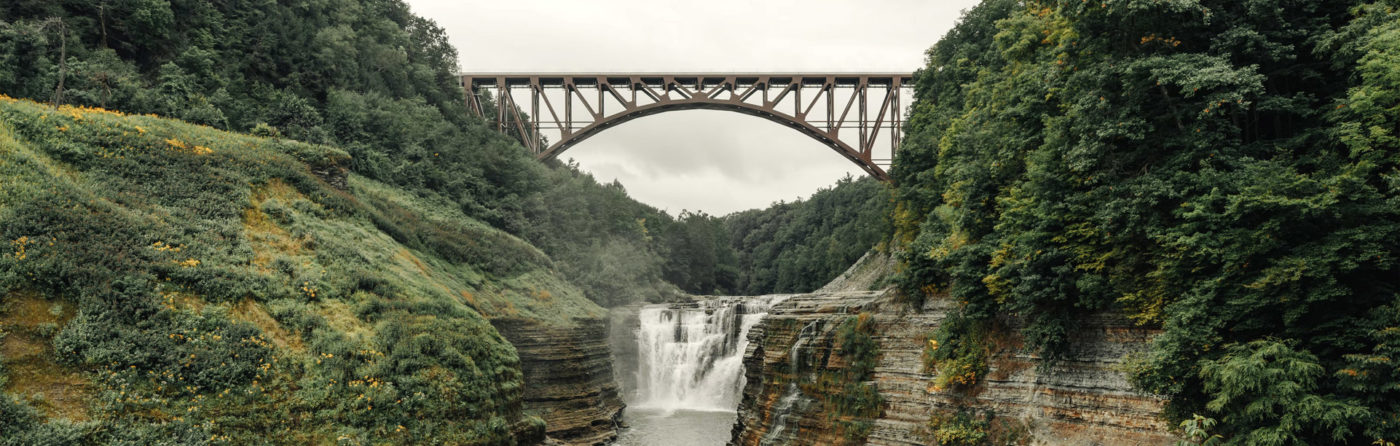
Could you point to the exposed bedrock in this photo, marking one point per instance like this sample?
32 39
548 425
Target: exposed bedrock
568 378
1083 400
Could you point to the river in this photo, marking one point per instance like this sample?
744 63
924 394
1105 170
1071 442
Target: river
657 427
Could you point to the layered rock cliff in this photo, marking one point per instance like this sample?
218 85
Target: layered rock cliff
568 378
796 359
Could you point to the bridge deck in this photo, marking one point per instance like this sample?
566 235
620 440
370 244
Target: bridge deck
560 79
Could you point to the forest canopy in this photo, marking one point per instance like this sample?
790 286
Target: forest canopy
1224 170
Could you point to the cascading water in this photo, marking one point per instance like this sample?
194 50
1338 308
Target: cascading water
792 397
691 358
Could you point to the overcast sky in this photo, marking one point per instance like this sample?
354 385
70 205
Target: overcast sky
715 161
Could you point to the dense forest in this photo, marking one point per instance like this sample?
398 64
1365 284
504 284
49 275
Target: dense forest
784 248
800 246
1224 170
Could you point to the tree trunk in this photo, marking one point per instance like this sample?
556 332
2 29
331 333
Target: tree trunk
62 62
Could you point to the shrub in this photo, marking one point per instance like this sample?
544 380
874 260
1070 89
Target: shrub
960 428
956 353
265 131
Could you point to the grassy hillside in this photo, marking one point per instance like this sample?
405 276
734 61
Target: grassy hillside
168 282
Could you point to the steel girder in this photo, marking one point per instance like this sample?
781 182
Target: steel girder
832 102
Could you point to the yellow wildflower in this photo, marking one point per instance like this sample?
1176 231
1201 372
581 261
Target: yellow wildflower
21 247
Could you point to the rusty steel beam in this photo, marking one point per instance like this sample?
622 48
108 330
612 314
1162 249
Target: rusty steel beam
765 95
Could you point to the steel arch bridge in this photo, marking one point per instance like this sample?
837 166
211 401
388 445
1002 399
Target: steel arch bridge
817 105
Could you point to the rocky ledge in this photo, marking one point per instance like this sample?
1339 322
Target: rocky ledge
795 352
568 378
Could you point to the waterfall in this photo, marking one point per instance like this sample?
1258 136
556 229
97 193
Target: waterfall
792 396
692 357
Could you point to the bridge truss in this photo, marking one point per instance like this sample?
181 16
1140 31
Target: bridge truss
854 114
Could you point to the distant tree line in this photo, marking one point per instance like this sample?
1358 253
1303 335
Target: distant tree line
623 251
800 246
788 247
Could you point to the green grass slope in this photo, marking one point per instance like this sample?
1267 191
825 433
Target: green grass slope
167 283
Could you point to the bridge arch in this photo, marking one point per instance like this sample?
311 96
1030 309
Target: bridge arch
777 98
840 147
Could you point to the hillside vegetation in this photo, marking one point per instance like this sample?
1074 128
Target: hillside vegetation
193 284
1224 170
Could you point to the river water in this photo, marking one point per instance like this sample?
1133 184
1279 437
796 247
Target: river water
688 375
658 427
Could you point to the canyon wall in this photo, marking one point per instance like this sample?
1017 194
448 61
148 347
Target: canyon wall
568 378
790 395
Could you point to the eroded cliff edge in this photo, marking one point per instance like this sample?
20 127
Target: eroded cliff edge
568 378
795 361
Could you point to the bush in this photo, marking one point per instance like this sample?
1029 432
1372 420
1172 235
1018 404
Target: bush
960 428
956 353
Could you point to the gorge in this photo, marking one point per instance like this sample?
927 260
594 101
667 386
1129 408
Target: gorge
289 223
760 371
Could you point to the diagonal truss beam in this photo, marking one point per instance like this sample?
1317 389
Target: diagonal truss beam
821 106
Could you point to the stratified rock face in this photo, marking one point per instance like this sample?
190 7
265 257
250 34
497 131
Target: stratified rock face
568 378
1083 400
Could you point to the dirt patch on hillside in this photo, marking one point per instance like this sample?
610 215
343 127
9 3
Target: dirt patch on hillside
29 323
